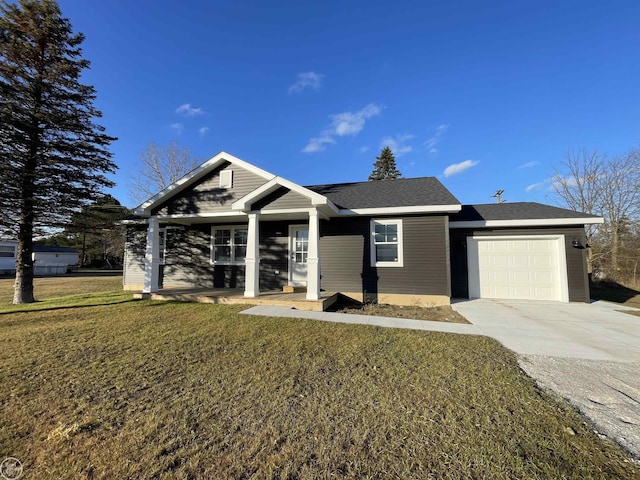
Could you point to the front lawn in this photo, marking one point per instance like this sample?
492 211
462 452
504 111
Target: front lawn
141 389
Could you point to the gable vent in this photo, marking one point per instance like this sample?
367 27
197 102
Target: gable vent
226 179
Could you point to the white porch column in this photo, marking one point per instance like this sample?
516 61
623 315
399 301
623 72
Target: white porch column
313 258
152 257
252 260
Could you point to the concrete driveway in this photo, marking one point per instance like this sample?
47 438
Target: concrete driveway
587 353
596 331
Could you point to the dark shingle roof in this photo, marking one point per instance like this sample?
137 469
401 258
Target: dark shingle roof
402 192
43 249
514 211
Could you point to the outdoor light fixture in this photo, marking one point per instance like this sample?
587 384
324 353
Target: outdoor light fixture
576 243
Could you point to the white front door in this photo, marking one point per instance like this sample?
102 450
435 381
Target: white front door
298 253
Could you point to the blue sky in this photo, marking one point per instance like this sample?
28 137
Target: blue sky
483 95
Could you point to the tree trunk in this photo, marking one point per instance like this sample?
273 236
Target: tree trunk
23 288
615 243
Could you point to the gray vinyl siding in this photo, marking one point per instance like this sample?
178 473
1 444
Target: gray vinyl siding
188 261
346 262
282 199
344 252
578 281
206 196
188 258
134 252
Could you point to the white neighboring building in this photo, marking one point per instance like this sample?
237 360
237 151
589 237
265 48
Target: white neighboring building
53 260
8 249
46 260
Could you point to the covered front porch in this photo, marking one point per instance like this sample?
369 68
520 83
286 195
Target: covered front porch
266 239
236 296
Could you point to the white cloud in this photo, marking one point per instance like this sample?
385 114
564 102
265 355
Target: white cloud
535 186
529 164
456 168
188 111
363 149
203 131
552 183
317 144
311 80
351 123
435 138
177 127
398 144
342 124
559 181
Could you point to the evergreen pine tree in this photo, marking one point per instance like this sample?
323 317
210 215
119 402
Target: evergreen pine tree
53 156
384 167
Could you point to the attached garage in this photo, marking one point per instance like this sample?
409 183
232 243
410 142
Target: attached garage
523 250
517 267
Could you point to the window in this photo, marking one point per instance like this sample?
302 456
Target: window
226 179
301 246
228 245
386 243
7 251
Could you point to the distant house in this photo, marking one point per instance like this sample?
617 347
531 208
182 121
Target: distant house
46 260
229 224
54 260
8 250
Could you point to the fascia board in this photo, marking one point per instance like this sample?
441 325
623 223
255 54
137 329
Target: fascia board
532 222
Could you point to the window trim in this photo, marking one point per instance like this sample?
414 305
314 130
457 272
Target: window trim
372 248
233 228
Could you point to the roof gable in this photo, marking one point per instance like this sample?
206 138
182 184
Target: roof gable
400 196
274 184
194 176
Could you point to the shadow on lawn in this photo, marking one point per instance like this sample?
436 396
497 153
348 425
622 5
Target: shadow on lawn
614 292
29 307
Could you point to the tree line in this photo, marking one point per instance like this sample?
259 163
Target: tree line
592 182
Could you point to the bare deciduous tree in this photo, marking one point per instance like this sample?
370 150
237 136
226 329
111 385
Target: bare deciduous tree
161 165
621 199
589 182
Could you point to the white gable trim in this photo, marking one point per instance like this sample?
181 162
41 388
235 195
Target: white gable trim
272 185
524 222
194 175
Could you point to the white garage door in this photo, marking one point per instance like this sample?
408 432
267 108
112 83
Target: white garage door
529 268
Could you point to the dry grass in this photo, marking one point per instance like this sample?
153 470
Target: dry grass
174 390
61 286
